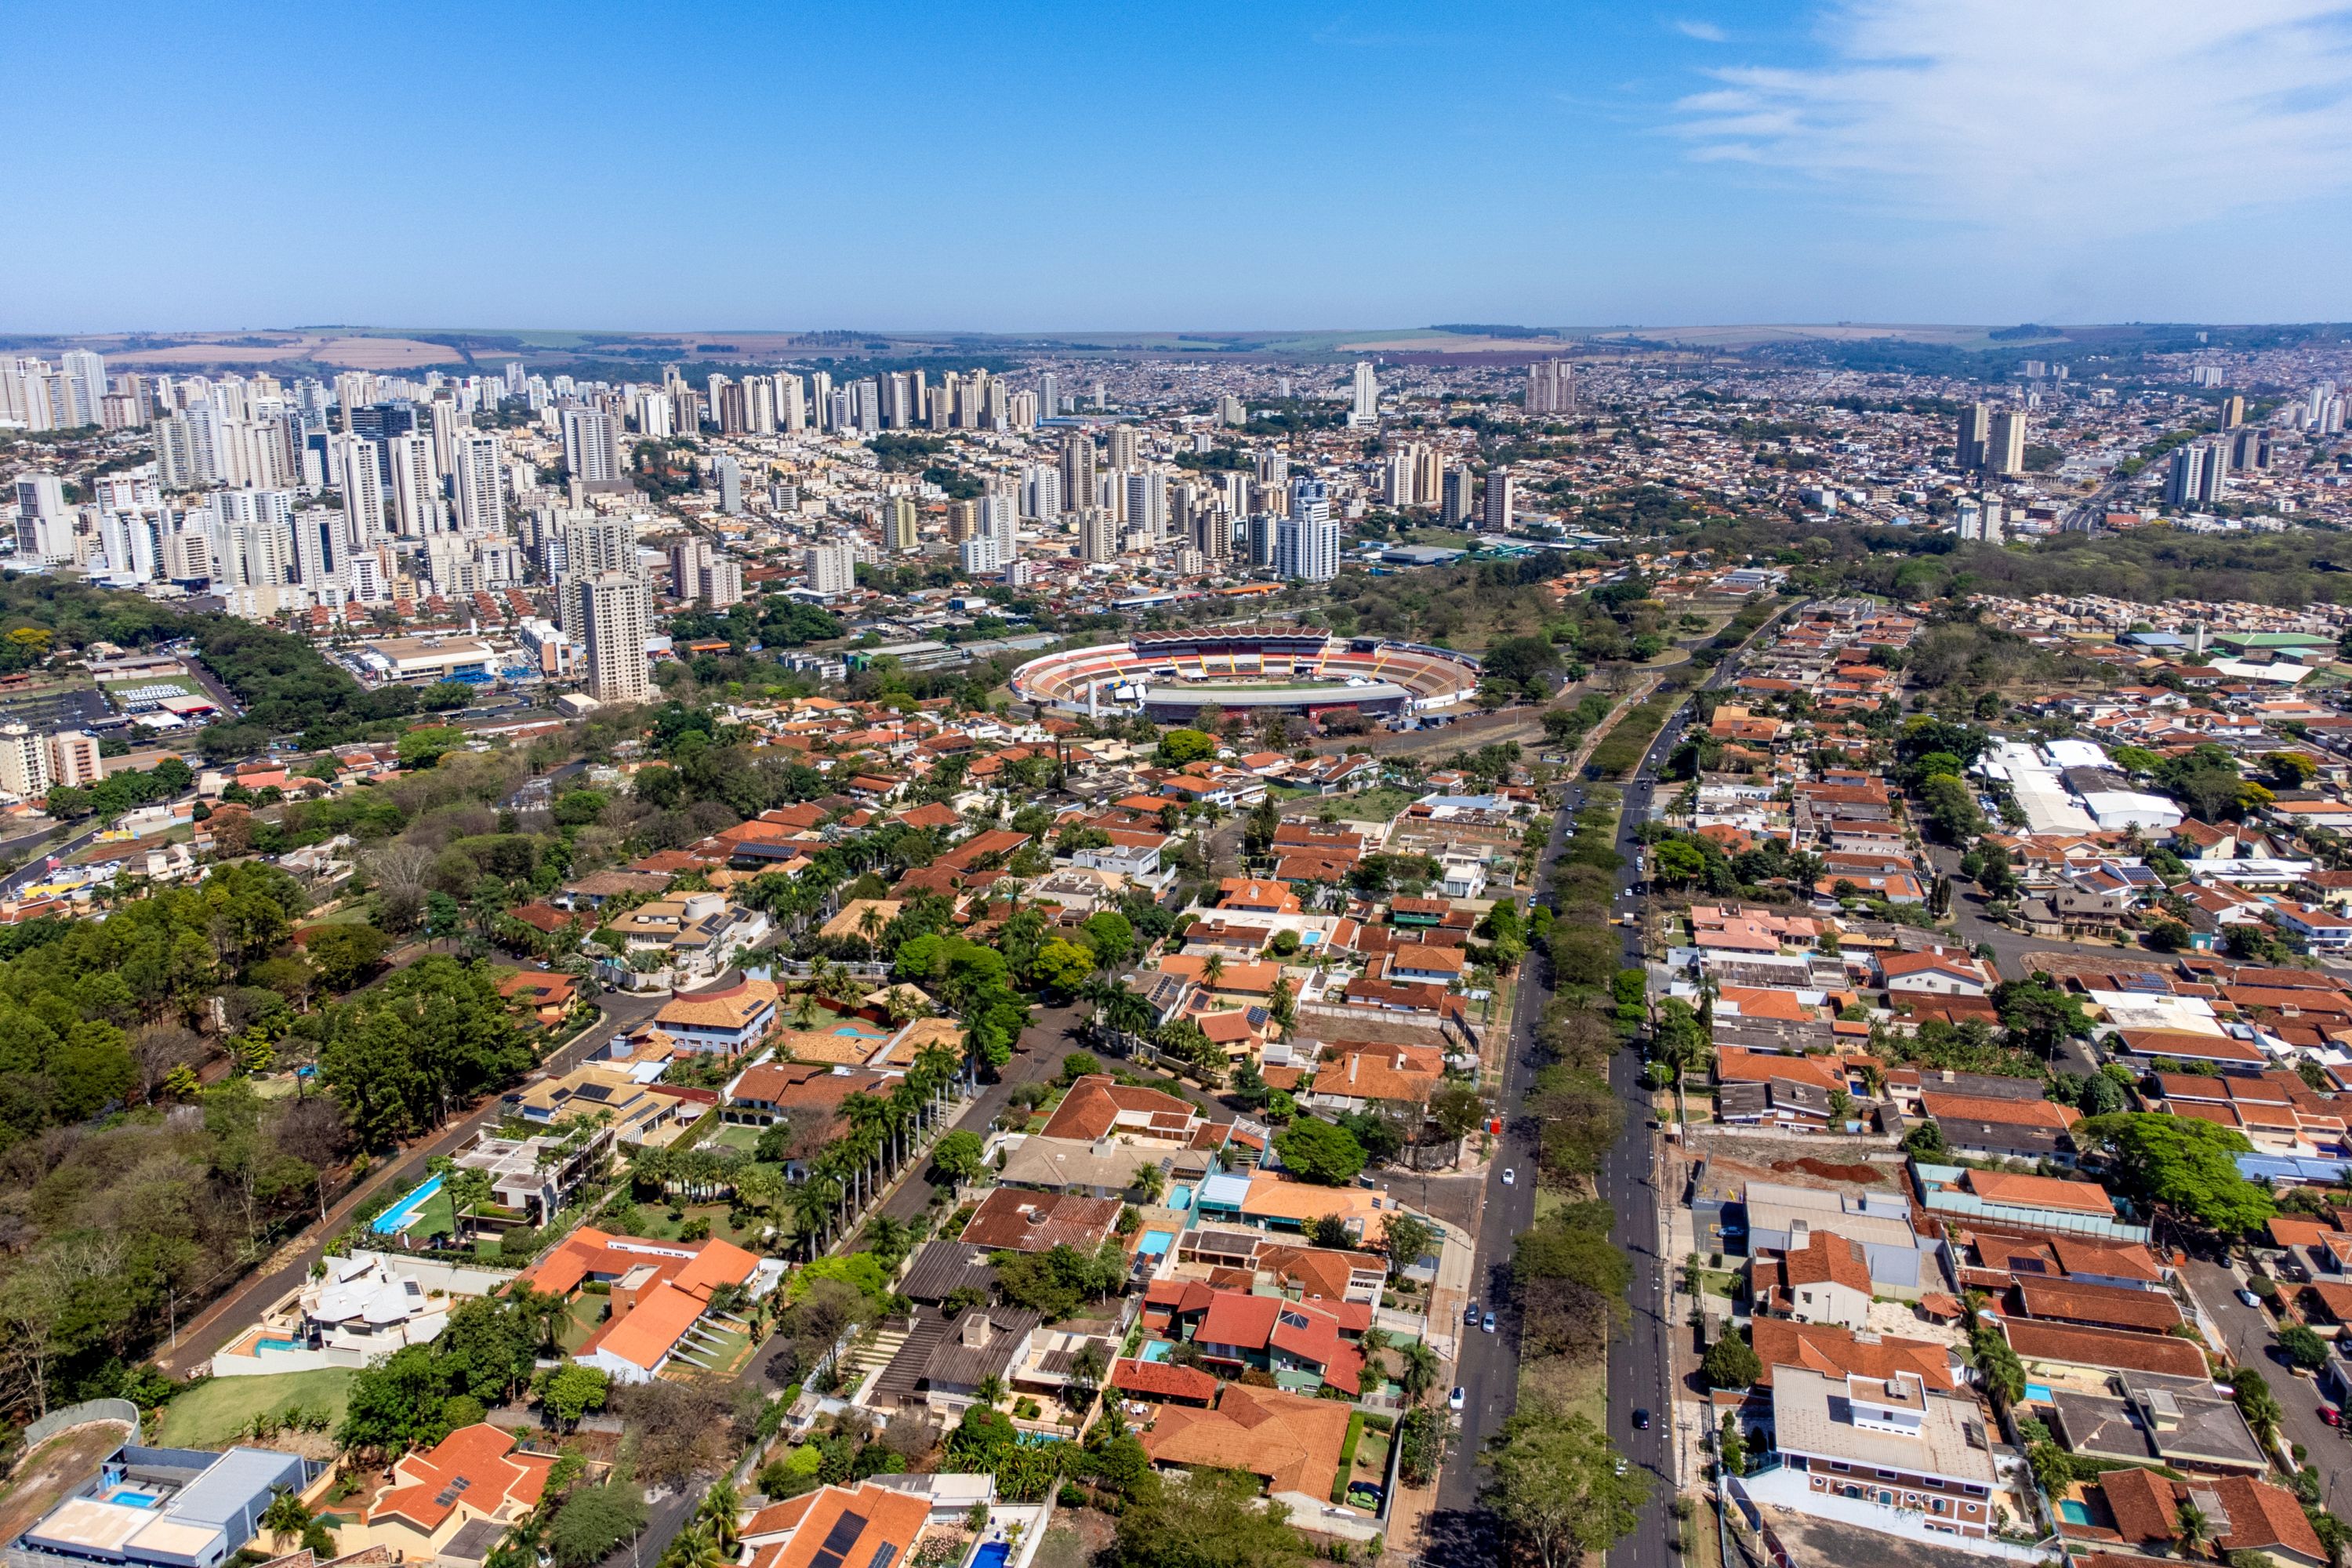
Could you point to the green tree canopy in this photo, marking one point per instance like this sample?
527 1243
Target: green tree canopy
2185 1164
1319 1152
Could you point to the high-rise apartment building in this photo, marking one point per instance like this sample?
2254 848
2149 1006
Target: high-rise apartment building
2005 446
1097 534
476 480
899 518
592 452
1501 497
24 761
74 758
2198 475
609 618
2234 411
1458 505
1049 395
963 521
831 567
1975 433
1366 407
1077 470
415 486
1126 446
1551 387
1307 542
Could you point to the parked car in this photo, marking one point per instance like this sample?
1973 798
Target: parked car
1453 1400
1470 1313
2333 1417
1488 1322
1510 1177
2250 1299
1641 1419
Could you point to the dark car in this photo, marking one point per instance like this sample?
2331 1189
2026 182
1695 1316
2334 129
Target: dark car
1470 1313
1641 1419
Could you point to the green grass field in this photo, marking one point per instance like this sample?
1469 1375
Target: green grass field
1378 804
211 1414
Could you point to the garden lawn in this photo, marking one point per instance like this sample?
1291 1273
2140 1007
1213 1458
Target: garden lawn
1378 804
734 1135
212 1414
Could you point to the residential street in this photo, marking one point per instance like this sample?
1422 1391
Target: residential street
2247 1330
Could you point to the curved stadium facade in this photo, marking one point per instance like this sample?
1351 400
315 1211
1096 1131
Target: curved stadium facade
1171 676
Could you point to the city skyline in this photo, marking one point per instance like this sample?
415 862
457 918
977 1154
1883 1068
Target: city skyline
1039 169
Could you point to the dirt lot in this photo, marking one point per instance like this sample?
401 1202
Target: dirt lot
50 1471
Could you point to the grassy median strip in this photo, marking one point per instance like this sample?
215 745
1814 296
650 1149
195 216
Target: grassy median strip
1620 751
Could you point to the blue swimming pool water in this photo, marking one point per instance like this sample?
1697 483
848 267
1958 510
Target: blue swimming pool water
1155 1243
1156 1349
400 1216
860 1034
1179 1196
2038 1391
270 1344
135 1499
991 1555
2073 1512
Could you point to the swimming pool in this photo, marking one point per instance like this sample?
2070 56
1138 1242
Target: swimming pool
267 1343
1156 1349
402 1214
991 1555
1179 1196
853 1031
1155 1243
2073 1512
130 1499
2038 1391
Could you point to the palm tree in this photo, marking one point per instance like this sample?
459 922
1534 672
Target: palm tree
2190 1528
804 1011
1213 969
1151 1181
285 1519
717 1515
1418 1372
869 926
991 1390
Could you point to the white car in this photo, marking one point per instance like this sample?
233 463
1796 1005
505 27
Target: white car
1454 1401
1510 1178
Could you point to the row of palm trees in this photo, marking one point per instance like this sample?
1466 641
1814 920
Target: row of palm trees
885 1131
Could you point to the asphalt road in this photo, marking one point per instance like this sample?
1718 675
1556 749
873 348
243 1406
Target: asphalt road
1459 1531
2247 1331
1640 1365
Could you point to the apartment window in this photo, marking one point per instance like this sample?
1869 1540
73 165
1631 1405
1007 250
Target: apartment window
1972 1507
1840 1465
1942 1506
1886 1475
1973 1490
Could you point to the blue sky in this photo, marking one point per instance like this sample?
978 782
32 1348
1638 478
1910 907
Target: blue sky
1031 168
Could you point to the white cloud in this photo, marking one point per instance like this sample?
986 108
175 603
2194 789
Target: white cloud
1704 32
2103 116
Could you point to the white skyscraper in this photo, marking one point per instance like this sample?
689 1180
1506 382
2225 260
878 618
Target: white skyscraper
87 370
415 486
831 567
1500 500
1049 397
1367 407
730 474
590 452
476 480
1147 502
1307 542
997 524
609 612
356 469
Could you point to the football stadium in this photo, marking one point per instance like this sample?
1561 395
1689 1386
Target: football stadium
1168 677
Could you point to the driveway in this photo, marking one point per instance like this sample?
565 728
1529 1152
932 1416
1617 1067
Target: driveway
2247 1332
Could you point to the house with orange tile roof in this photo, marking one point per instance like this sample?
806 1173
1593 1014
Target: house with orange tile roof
475 1473
660 1293
727 1018
867 1526
1289 1441
1827 1280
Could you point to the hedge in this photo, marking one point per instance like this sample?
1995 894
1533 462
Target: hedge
1347 1456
